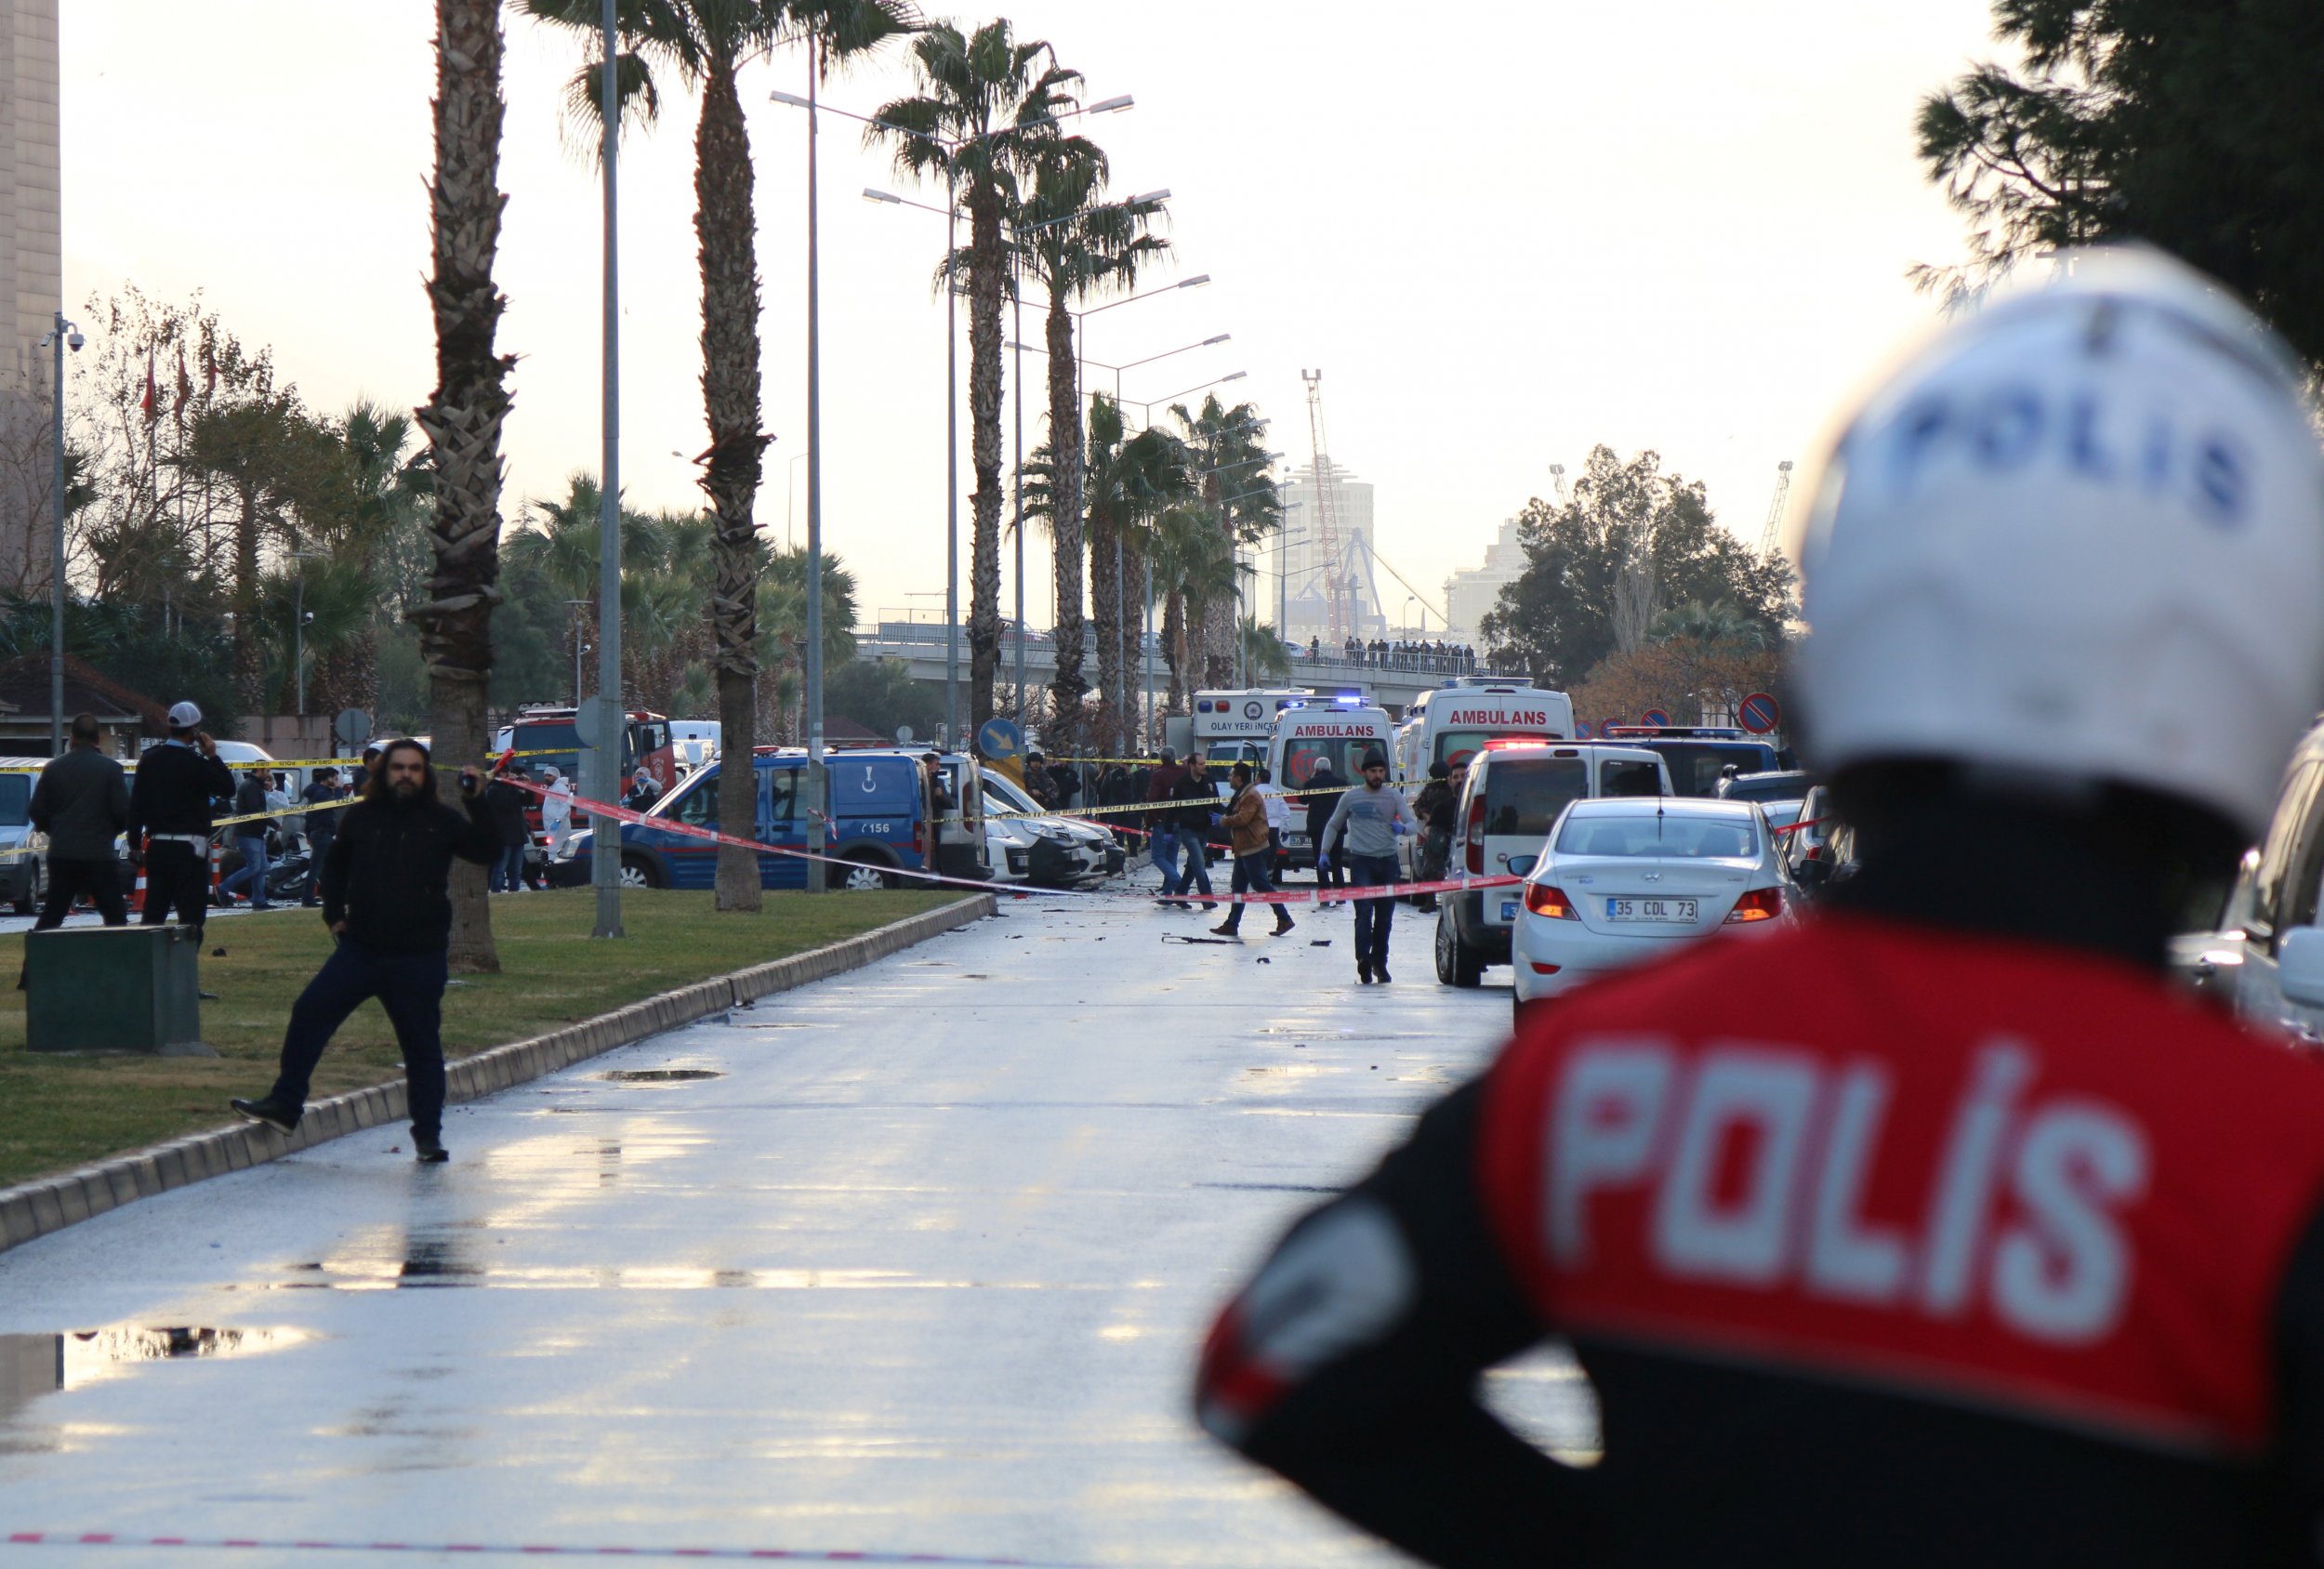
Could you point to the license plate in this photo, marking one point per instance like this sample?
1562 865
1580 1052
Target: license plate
1668 911
1509 909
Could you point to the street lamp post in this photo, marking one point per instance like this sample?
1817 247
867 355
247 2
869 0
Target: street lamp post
575 606
61 336
605 749
812 673
298 626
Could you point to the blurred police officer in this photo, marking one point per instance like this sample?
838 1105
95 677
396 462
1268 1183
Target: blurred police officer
1940 1228
171 806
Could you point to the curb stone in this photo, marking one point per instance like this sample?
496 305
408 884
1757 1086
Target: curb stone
50 1203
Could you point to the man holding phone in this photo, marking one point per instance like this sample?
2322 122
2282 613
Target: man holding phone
386 897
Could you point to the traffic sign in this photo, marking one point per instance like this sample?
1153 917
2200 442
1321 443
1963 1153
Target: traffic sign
352 726
1759 713
1582 730
904 735
1000 740
1654 716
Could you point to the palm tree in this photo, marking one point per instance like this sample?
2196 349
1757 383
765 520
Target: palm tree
1076 249
462 421
1720 625
1197 564
987 106
1228 453
1127 480
1265 654
705 42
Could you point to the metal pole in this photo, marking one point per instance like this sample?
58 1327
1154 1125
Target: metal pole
1146 639
613 721
815 772
1016 287
299 638
56 566
952 465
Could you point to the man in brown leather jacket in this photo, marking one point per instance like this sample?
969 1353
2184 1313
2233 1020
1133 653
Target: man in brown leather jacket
1245 823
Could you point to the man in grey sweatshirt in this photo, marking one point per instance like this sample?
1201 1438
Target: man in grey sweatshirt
1373 815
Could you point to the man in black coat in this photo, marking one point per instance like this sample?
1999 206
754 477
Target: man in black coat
1325 788
178 787
323 825
386 897
81 802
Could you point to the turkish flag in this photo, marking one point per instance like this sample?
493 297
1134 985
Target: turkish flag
185 387
209 369
152 401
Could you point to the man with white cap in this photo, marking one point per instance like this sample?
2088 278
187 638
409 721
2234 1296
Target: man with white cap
1942 1228
556 811
171 806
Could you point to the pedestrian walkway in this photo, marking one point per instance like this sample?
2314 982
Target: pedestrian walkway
921 1266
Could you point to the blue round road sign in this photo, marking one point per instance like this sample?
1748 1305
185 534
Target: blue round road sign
999 740
1759 713
1654 716
1582 730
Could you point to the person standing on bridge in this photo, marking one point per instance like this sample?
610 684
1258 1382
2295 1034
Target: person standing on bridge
386 897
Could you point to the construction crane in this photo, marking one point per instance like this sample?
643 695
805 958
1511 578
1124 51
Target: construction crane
1327 541
1769 533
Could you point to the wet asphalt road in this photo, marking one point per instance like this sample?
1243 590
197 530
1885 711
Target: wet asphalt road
922 1267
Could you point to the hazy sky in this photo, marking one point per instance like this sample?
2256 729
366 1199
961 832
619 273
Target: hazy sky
1683 226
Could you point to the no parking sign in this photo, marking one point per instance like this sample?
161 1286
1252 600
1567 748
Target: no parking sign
1759 713
1582 730
1654 716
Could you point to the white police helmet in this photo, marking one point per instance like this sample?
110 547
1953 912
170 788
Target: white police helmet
2081 534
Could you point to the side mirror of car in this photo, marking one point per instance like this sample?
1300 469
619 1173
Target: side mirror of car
1812 874
2300 966
1519 865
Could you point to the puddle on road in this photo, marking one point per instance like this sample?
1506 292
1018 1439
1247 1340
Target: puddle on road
32 1365
657 1075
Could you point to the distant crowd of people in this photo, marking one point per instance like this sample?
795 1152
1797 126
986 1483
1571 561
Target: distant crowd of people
1437 658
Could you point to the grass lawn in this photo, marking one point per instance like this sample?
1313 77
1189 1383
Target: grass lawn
57 1111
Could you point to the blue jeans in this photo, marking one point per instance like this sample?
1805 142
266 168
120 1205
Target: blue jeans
1255 874
252 874
409 986
508 873
1163 847
1372 914
1197 868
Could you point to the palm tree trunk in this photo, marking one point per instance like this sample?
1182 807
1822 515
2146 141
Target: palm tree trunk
1133 613
1064 445
729 399
463 420
985 273
1106 605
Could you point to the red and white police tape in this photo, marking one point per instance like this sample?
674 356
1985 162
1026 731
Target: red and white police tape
1302 896
511 1549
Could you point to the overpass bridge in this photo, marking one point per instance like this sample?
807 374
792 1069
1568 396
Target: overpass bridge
920 645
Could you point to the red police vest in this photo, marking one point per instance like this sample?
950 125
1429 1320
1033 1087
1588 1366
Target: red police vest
1950 1167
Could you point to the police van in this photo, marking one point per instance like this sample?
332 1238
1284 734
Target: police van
1234 727
1338 731
1452 722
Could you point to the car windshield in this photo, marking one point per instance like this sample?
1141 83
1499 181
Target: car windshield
1696 766
1659 836
1523 799
1345 754
15 798
1002 795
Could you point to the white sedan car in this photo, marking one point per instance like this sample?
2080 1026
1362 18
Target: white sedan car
1622 880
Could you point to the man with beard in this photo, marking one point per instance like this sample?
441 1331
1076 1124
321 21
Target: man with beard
386 898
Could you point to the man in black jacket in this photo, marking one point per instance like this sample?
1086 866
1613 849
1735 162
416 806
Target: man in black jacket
386 897
81 802
178 784
1195 788
1323 792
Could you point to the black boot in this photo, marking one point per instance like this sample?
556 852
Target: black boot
429 1150
1364 974
268 1110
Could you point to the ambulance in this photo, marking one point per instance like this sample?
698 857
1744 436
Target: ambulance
1340 730
1234 727
1450 722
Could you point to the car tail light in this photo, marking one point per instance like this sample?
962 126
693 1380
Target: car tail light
1475 836
1760 904
1541 968
1542 899
919 840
